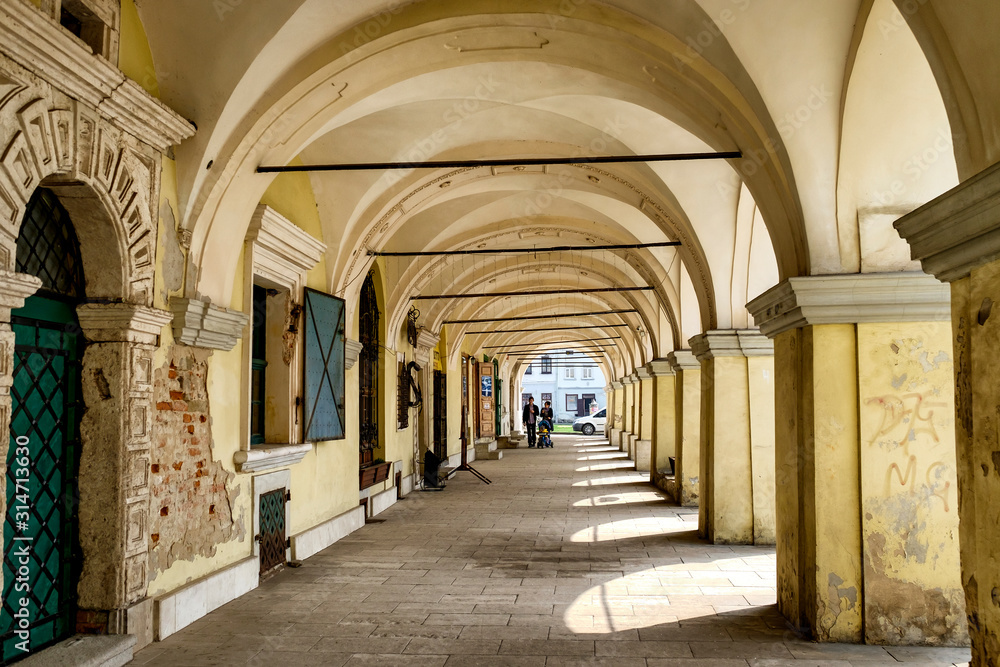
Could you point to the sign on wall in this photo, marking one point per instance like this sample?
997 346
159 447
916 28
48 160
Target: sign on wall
324 323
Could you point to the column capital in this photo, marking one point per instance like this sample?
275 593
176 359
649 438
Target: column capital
617 385
659 368
731 343
683 360
426 339
15 288
851 299
642 373
352 350
958 231
201 324
122 322
610 388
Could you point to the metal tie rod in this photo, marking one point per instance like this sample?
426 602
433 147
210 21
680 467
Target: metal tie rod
551 292
542 317
503 162
525 251
587 328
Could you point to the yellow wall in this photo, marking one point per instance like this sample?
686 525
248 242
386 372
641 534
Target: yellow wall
291 195
909 484
134 57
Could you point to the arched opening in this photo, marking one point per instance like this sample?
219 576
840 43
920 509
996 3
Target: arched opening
42 555
368 399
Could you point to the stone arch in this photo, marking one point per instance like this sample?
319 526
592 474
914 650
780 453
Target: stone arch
104 180
107 180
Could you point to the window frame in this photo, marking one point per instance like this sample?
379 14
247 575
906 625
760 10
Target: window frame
575 399
277 257
546 364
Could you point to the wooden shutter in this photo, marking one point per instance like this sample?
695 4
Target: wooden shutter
324 367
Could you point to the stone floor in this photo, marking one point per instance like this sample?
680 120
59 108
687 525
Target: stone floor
568 558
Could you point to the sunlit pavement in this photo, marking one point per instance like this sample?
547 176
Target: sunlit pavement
570 557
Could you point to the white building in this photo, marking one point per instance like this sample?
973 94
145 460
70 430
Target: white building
573 382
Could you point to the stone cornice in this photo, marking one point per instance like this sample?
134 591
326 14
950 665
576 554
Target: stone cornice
851 299
959 230
731 343
43 47
121 323
660 368
268 457
683 360
352 350
294 248
200 324
427 339
15 288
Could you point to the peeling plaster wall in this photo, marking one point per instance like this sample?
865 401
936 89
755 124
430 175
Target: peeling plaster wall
976 342
191 509
912 587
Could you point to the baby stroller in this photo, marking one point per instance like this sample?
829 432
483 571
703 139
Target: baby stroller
544 433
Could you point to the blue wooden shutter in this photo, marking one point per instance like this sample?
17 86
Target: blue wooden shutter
324 367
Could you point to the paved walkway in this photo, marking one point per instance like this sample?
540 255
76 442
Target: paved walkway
568 558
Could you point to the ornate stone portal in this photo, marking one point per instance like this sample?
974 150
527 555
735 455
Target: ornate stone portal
78 126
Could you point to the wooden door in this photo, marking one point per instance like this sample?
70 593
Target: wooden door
487 401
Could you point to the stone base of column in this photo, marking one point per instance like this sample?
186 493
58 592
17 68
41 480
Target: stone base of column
643 450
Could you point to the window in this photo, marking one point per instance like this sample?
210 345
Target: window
570 373
603 414
546 365
571 402
258 363
278 255
368 382
588 373
402 397
528 370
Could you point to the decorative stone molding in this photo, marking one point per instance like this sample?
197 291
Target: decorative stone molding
851 299
731 343
426 339
642 373
260 458
121 323
755 344
617 385
352 349
959 230
282 252
200 324
659 368
683 360
15 288
42 46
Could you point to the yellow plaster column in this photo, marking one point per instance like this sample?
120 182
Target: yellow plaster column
737 437
687 425
663 433
642 443
618 425
867 527
628 428
955 239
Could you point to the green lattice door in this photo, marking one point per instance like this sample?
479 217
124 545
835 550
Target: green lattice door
41 558
273 542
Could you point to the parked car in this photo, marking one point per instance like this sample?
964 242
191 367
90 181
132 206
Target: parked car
593 423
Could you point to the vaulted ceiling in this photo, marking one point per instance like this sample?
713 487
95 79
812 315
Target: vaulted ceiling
844 112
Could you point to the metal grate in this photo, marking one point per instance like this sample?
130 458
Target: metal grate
440 415
272 531
47 246
40 526
368 382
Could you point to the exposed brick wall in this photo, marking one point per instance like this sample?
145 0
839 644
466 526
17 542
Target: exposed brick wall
191 506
